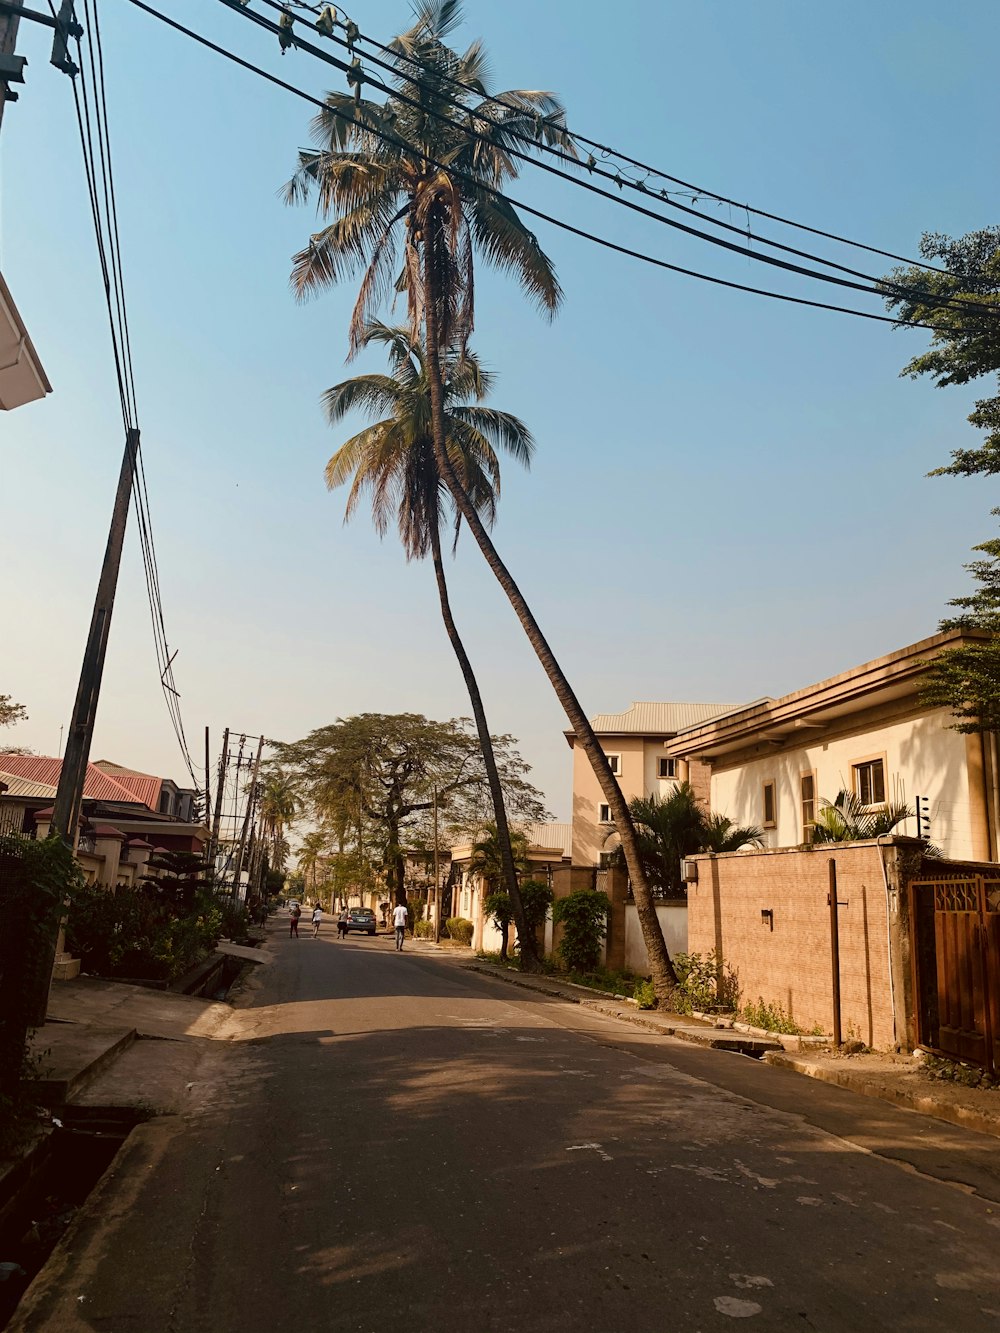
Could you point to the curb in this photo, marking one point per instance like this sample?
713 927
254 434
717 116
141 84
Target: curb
923 1103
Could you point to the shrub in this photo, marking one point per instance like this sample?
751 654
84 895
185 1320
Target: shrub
129 933
424 930
705 983
582 915
644 995
460 930
770 1017
537 899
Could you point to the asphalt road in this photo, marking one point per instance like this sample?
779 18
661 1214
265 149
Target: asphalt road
395 1143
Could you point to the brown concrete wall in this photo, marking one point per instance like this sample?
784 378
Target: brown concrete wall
790 965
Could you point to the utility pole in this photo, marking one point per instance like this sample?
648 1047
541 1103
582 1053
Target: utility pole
220 787
73 773
11 66
208 789
251 800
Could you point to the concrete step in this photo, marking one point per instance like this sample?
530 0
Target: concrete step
71 1055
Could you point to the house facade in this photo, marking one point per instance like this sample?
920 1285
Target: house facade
637 745
549 851
866 731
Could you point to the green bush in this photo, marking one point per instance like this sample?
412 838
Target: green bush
131 933
234 919
537 899
460 930
424 930
770 1017
644 995
705 983
582 915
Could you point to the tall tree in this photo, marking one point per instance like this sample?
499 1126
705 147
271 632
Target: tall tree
377 774
376 172
393 460
278 808
965 347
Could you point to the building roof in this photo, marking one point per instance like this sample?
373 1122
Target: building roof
98 786
656 719
17 786
143 786
549 835
892 681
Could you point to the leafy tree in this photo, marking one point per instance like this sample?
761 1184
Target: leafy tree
374 776
846 819
965 347
315 846
278 808
966 343
373 172
537 898
583 915
11 713
393 459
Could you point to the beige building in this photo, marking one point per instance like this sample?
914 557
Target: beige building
867 731
548 852
636 743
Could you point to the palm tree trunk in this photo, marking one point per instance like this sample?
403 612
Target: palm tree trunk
529 946
661 968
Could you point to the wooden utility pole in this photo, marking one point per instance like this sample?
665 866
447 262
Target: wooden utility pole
208 789
251 801
73 773
437 875
10 64
220 787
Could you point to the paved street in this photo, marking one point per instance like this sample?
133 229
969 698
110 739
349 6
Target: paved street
393 1142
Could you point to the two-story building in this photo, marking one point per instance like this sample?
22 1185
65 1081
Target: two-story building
637 743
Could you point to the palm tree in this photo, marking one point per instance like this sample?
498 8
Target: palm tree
393 459
678 825
314 848
375 170
278 807
847 819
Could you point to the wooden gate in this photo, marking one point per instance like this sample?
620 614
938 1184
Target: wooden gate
955 932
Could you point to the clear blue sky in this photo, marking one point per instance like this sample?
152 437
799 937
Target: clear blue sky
729 496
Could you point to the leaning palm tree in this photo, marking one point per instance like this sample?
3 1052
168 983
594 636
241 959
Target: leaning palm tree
416 176
393 460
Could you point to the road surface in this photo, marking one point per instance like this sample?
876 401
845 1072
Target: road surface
396 1143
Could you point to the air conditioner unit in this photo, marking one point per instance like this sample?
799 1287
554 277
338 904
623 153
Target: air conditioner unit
689 871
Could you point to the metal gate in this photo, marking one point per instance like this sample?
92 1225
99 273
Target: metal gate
955 934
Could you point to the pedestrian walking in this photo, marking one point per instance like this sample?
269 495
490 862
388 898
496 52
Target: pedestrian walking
399 917
293 920
317 917
342 924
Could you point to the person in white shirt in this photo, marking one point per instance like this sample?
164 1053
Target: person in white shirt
399 918
317 917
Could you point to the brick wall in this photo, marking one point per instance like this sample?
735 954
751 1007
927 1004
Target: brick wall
790 965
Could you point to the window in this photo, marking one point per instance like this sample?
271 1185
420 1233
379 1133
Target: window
666 768
770 806
615 760
869 782
807 792
604 814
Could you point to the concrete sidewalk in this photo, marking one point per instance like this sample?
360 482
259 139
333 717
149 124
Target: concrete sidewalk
897 1079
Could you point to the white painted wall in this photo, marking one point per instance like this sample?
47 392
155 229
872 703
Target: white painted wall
923 757
673 919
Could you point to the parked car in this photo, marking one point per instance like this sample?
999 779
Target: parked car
361 918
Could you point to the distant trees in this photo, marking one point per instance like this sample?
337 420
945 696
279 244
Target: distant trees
372 780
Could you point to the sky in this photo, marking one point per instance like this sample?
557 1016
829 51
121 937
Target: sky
729 497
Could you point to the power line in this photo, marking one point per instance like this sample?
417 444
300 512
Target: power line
695 192
870 286
526 208
90 101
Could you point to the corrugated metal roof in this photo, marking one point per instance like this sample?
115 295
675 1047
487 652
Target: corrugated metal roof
97 786
656 719
549 835
17 786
